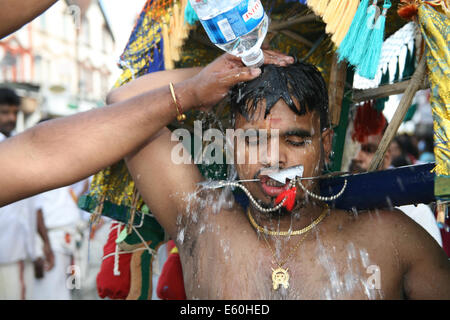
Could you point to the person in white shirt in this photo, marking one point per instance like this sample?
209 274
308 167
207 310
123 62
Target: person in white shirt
61 216
18 224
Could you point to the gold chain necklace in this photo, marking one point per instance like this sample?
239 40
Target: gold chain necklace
286 233
280 276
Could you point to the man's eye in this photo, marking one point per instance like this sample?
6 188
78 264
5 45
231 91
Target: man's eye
368 148
298 142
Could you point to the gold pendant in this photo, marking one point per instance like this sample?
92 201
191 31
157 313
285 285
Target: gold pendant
280 276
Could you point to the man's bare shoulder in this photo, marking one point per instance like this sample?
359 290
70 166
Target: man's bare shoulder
379 226
379 220
393 228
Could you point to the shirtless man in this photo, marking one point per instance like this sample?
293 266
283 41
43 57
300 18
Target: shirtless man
370 255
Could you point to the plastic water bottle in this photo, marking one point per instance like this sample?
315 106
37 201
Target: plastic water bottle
235 26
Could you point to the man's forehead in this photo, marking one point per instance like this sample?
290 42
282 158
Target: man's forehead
279 115
8 106
374 139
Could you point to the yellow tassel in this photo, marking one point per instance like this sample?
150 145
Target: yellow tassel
331 10
174 35
345 22
336 18
185 26
174 32
313 4
168 62
322 7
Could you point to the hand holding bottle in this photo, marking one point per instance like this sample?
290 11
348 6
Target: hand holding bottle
213 83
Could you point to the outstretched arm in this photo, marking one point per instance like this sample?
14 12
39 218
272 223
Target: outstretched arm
14 14
155 80
63 151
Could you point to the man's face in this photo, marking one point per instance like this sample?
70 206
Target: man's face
8 117
364 157
300 142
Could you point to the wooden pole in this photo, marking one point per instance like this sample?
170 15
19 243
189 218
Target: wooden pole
405 103
276 26
297 37
336 89
384 91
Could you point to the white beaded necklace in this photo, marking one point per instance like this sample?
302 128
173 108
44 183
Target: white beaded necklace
221 184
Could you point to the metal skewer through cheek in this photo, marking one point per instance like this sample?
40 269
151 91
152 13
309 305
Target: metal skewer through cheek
292 183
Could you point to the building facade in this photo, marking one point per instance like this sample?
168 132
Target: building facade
62 62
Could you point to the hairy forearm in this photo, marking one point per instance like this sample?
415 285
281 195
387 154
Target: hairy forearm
14 14
62 151
150 81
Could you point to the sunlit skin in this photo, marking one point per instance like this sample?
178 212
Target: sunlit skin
301 142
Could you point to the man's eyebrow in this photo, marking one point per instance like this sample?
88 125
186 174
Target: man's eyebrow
297 132
253 132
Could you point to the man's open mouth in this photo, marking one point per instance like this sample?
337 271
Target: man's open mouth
272 188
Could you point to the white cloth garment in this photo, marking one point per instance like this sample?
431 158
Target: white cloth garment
18 224
55 285
61 216
16 280
58 207
17 230
423 216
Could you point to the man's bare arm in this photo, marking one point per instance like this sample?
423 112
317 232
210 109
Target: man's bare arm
150 81
63 151
47 248
427 268
14 14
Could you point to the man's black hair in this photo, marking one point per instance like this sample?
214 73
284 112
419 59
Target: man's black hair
300 81
9 97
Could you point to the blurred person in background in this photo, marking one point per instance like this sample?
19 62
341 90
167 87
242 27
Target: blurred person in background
18 225
398 153
426 146
407 145
61 216
420 213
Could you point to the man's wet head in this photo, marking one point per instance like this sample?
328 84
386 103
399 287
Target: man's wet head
9 107
289 101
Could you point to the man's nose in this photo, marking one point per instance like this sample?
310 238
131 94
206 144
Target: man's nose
359 156
272 155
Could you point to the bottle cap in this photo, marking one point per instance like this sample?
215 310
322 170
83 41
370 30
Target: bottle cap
254 60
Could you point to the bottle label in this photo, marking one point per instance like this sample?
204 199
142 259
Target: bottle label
235 22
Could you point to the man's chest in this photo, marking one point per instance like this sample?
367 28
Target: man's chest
234 262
